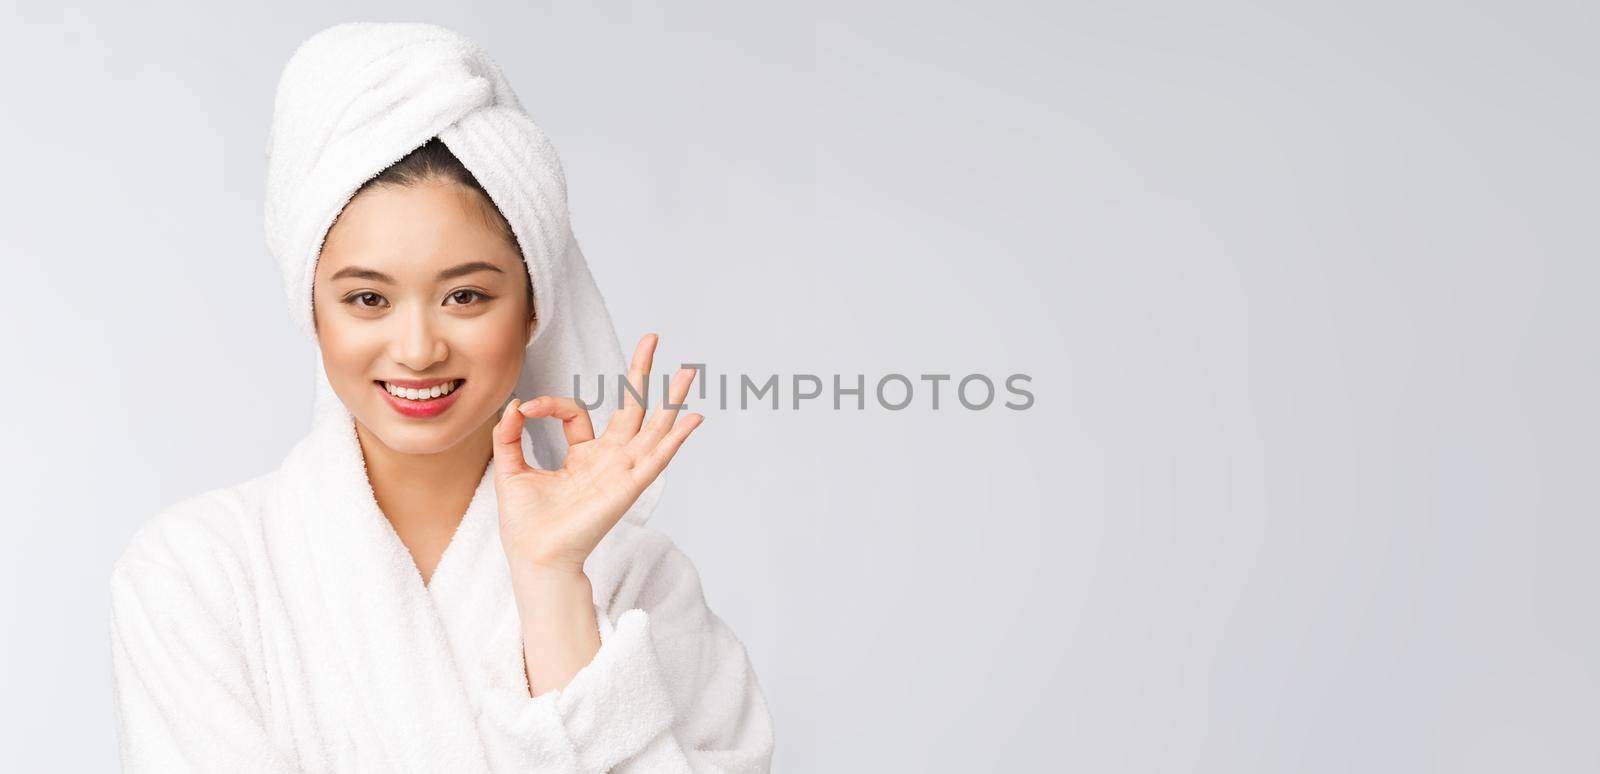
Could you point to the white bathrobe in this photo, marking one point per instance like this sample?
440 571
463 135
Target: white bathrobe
281 625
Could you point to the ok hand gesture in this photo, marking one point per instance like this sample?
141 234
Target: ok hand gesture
554 518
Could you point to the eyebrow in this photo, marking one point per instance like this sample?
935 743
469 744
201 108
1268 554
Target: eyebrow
464 269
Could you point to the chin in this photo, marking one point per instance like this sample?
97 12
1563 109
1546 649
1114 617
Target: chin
416 435
407 436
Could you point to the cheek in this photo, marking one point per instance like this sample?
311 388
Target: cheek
498 343
347 353
491 351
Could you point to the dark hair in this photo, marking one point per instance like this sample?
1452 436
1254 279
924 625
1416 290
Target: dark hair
434 161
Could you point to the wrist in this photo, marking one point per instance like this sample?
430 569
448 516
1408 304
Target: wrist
540 561
552 575
551 596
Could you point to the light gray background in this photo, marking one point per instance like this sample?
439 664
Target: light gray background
1308 295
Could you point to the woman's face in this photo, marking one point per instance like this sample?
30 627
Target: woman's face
416 284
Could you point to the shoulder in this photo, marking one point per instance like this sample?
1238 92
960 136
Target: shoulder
197 541
639 566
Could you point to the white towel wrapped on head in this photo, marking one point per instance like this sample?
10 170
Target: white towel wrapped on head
357 97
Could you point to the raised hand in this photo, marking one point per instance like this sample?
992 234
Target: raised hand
553 519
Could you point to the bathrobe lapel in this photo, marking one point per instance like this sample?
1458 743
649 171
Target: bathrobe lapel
399 647
471 591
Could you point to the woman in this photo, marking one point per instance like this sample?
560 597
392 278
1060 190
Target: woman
428 583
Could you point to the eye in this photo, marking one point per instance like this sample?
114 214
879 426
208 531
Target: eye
354 299
470 293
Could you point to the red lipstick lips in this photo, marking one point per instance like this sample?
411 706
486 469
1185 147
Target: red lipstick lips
419 409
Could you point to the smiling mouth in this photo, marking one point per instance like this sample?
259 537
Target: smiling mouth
424 395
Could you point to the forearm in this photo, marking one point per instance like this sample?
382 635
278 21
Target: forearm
560 634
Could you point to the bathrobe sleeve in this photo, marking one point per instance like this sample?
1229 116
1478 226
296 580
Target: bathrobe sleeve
182 697
671 689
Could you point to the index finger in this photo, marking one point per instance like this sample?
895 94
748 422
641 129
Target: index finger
574 418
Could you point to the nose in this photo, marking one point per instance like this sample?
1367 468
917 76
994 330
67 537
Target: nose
417 344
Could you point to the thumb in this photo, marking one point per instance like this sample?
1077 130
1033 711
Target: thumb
508 458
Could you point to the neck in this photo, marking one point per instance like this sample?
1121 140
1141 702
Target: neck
430 491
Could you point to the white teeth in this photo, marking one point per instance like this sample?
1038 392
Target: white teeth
423 394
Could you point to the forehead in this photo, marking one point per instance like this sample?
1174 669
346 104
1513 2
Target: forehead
416 230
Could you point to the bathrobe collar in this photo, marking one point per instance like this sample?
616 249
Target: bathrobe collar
416 654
